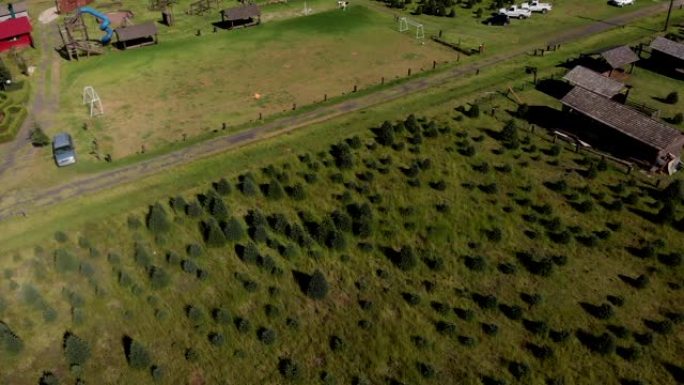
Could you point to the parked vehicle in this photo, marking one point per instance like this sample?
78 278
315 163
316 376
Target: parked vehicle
498 19
536 6
516 12
622 3
63 149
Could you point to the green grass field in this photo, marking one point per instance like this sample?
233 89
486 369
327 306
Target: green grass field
192 85
413 320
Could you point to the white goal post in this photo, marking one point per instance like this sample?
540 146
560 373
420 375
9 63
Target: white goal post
91 98
405 23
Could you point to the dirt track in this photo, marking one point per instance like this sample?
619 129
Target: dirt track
22 202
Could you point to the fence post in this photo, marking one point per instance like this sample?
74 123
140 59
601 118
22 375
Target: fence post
354 88
409 72
325 97
434 64
382 80
294 106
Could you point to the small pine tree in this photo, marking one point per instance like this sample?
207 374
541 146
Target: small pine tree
48 378
76 350
38 137
274 191
406 259
137 356
474 111
249 187
233 230
223 187
213 235
218 208
159 278
297 192
157 220
509 135
678 118
385 135
317 287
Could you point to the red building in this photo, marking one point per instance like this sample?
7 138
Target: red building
67 6
15 33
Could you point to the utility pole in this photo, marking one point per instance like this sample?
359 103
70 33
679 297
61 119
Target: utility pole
667 20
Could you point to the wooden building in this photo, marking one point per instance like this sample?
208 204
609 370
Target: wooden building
13 10
620 57
629 133
243 16
593 81
668 53
15 33
138 35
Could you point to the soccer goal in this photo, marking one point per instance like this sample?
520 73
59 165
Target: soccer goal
406 23
91 98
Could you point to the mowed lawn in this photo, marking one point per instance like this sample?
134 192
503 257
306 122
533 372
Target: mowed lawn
470 31
155 95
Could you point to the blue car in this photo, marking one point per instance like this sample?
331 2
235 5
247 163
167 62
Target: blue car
63 149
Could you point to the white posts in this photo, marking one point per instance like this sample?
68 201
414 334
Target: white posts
93 99
404 24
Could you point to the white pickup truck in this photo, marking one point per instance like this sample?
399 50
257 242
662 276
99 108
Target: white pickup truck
516 12
536 6
622 3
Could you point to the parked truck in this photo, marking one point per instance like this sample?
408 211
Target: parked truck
516 12
535 6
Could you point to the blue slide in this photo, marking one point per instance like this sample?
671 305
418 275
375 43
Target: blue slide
104 25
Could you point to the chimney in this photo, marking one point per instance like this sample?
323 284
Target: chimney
10 8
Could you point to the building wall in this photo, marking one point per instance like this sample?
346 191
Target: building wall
18 41
16 15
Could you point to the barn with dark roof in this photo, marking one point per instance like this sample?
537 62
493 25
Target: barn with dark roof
668 52
594 81
620 57
630 133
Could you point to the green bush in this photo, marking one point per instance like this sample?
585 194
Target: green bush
61 237
65 261
385 134
266 336
248 186
406 259
157 373
157 220
194 250
9 341
221 315
509 135
179 205
317 287
137 356
194 210
216 339
194 314
297 192
288 368
217 208
233 230
274 190
242 325
38 137
48 378
159 278
188 266
223 187
76 350
213 235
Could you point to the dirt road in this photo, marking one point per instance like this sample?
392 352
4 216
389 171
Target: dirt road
23 202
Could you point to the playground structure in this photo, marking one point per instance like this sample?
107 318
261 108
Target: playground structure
75 40
404 24
202 6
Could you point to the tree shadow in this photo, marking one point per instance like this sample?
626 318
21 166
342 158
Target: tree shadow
677 372
302 279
